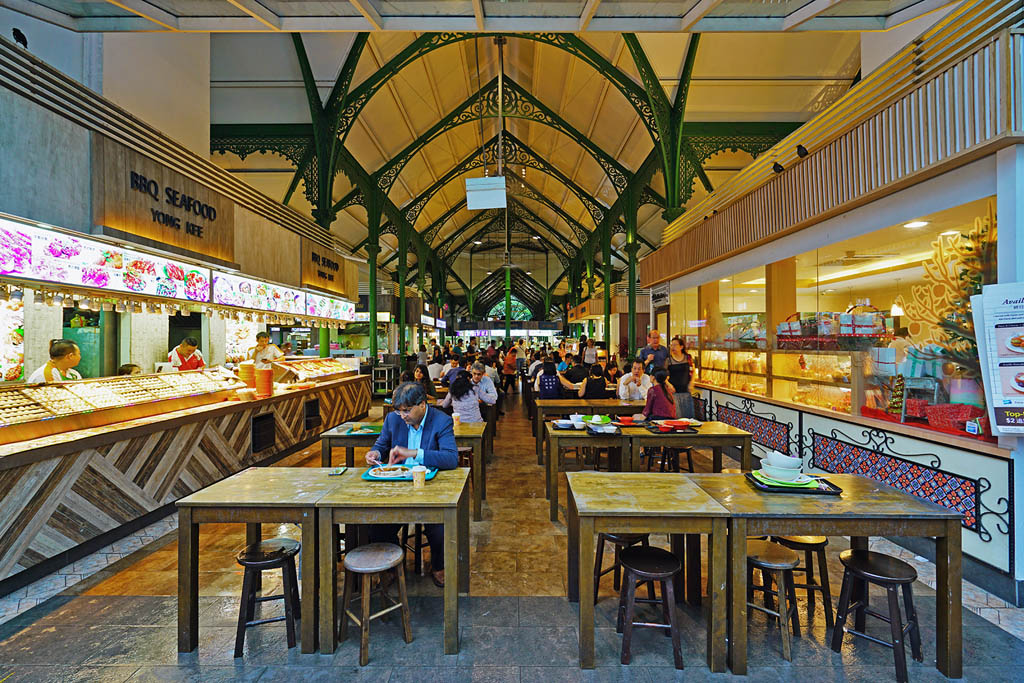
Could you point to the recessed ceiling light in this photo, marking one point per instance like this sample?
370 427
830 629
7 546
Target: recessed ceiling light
725 280
949 233
477 242
829 290
915 224
753 291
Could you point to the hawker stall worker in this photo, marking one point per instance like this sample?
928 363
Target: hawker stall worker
264 353
415 434
64 356
186 355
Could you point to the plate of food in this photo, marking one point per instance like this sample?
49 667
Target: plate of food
1018 382
394 473
1016 344
389 471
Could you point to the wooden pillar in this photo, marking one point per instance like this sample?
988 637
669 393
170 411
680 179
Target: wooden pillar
780 294
710 312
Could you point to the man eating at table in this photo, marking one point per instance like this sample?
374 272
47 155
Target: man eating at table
415 434
634 386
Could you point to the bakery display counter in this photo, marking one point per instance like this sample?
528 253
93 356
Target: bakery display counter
31 411
133 466
300 369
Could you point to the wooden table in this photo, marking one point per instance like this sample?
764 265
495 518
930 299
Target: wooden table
713 435
565 406
444 500
644 502
258 495
472 434
865 508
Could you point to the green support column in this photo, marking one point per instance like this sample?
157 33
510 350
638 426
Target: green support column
508 305
403 269
606 260
372 249
631 250
325 342
420 277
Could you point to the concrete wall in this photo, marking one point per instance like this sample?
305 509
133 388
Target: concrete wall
44 165
144 339
79 55
163 79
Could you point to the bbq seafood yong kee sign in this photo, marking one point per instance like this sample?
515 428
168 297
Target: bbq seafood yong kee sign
136 195
36 254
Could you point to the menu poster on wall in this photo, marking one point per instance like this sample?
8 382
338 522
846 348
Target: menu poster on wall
38 254
232 290
329 307
1001 348
12 340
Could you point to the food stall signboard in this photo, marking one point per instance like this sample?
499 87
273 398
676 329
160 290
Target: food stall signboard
232 290
329 307
38 254
1001 348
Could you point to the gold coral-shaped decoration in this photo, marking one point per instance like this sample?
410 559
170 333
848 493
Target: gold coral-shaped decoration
939 310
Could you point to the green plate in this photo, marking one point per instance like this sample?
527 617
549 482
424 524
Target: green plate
775 482
597 419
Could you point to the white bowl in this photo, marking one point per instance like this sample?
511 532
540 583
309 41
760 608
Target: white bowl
577 417
565 423
579 425
781 473
776 459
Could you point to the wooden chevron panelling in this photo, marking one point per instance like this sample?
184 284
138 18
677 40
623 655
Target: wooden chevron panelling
53 505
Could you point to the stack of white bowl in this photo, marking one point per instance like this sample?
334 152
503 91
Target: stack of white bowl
781 467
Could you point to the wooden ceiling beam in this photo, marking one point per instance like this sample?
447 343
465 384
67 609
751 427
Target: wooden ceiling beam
589 10
369 13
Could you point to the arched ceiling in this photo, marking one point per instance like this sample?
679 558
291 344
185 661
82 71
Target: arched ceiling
577 125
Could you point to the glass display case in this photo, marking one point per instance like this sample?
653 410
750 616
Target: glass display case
293 370
831 380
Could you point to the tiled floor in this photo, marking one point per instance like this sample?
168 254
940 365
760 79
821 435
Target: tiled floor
111 616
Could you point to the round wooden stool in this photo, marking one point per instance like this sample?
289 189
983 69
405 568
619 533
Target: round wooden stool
620 541
863 568
811 546
774 562
368 561
273 553
643 564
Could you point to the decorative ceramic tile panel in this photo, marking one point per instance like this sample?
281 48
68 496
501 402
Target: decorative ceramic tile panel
932 484
769 433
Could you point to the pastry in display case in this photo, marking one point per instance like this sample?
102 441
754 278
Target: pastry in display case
34 411
290 371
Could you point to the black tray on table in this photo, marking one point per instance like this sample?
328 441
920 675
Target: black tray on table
829 489
653 429
591 432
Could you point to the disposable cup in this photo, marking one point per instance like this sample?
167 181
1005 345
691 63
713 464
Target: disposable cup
419 476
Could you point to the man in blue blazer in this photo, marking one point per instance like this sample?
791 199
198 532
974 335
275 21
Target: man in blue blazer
415 434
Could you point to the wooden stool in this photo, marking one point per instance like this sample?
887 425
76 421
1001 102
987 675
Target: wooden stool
621 541
864 568
645 564
367 561
670 459
274 553
774 561
465 456
812 545
416 548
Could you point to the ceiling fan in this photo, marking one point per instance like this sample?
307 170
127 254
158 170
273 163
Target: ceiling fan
851 258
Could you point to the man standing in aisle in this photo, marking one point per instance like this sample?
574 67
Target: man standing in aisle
415 434
186 355
654 355
634 386
487 391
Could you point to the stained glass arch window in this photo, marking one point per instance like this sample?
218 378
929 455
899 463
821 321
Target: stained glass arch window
520 311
